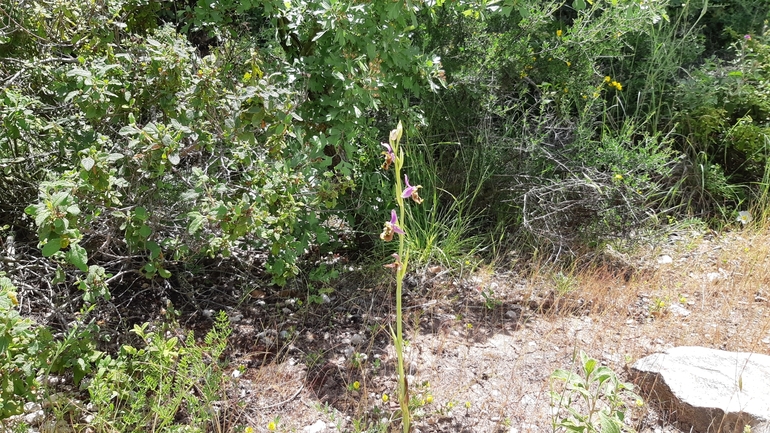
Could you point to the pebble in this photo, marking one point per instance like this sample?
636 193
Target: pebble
35 418
665 259
318 427
356 339
678 310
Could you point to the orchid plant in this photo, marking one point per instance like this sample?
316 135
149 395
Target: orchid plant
394 156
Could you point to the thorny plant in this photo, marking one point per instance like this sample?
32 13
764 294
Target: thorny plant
394 155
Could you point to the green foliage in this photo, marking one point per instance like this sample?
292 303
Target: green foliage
722 112
24 350
174 157
592 401
146 388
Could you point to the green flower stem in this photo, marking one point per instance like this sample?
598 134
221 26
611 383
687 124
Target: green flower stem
403 386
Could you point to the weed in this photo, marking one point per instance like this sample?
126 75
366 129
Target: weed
591 401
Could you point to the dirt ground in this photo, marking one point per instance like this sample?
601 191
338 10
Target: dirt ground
483 345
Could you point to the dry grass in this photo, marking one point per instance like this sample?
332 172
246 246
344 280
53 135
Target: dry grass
496 353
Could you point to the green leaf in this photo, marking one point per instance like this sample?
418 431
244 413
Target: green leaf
52 246
579 5
154 249
78 256
196 222
164 273
145 231
140 213
609 424
87 163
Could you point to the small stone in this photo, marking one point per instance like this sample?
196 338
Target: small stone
356 339
31 406
318 427
348 351
713 276
35 418
665 259
513 315
678 310
236 373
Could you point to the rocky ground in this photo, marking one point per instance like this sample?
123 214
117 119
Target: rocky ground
483 345
484 341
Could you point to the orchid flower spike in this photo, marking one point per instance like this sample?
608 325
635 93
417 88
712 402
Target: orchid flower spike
389 156
391 227
411 191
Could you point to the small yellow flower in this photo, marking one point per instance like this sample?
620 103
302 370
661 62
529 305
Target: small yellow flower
467 405
607 79
569 63
618 177
250 429
469 325
356 385
558 33
616 85
429 398
247 76
596 94
14 299
271 426
385 398
639 402
585 97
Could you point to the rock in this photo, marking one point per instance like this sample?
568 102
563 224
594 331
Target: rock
35 418
665 259
356 340
318 427
678 310
711 390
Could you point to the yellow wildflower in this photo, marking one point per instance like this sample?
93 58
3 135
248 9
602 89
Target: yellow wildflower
385 398
558 33
429 399
569 63
271 426
607 79
356 385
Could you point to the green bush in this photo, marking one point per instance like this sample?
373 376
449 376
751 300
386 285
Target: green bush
24 351
722 114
